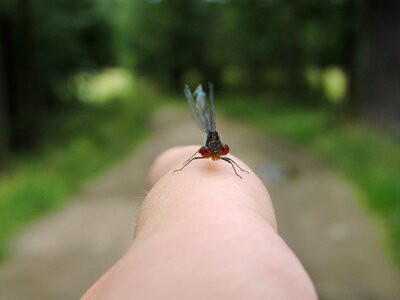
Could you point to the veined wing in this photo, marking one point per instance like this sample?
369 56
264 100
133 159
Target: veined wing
198 108
212 109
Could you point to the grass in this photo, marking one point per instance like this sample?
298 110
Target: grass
368 159
78 146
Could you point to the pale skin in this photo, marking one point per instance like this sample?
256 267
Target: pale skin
204 233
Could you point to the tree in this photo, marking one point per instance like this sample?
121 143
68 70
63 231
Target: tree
27 106
380 87
167 38
4 125
43 44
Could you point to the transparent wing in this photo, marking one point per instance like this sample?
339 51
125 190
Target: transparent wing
212 109
201 107
198 108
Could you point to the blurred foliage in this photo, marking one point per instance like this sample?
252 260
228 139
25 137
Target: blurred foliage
77 147
334 83
105 85
42 45
370 160
71 36
167 38
61 121
241 45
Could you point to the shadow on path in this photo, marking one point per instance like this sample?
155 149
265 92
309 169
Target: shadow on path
318 213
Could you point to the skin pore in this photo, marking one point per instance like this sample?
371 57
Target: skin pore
204 233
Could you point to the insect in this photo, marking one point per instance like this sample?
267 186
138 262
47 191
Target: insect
205 118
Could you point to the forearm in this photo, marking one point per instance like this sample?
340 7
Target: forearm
203 233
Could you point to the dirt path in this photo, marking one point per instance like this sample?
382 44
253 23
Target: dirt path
319 215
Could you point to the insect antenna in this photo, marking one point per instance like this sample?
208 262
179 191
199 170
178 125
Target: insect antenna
190 157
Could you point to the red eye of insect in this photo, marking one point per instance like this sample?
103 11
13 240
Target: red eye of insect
205 152
224 149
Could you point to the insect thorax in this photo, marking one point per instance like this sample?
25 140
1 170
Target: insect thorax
213 142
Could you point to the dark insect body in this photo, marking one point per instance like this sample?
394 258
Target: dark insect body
205 118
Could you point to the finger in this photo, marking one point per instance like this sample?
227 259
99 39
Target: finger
208 179
204 233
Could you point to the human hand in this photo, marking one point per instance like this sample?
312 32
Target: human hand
204 233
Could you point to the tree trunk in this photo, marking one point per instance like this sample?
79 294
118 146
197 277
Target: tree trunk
381 83
293 54
4 96
27 106
352 52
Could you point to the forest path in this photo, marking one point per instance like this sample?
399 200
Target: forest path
319 216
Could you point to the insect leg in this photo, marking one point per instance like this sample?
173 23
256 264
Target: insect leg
190 157
231 160
188 162
234 169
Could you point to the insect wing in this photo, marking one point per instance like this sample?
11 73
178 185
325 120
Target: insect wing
212 109
198 108
201 107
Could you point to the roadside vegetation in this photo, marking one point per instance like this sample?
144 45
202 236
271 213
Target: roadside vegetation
78 144
367 158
